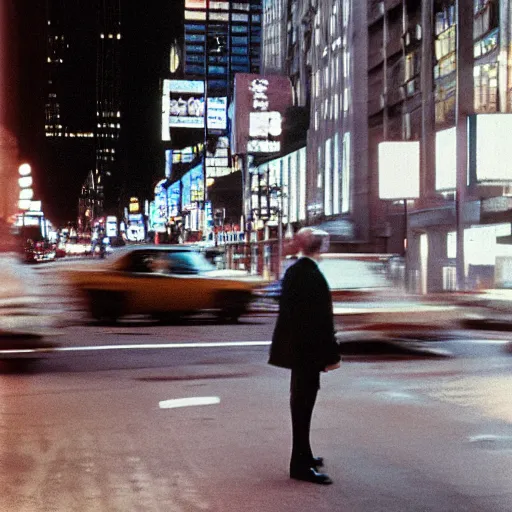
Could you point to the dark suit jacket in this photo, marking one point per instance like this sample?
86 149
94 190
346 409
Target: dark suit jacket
304 333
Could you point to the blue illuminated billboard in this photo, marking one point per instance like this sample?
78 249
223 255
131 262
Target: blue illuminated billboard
173 198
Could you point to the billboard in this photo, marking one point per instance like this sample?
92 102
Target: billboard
192 187
173 199
399 170
216 113
182 105
168 163
446 162
490 149
260 102
217 162
185 191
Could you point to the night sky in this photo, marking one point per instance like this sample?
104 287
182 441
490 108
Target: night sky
147 29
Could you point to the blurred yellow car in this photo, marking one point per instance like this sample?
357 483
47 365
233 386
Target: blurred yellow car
164 282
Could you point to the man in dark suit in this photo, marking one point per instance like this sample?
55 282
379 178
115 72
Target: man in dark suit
304 341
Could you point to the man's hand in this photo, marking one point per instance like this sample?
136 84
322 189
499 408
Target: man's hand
330 367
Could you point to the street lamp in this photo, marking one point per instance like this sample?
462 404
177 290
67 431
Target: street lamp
26 192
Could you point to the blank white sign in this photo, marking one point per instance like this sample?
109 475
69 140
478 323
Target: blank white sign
399 170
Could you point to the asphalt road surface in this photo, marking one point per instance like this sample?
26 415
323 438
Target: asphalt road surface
146 417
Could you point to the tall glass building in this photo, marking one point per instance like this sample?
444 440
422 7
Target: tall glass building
222 38
83 104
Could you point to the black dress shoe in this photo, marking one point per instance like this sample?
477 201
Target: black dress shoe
310 475
317 462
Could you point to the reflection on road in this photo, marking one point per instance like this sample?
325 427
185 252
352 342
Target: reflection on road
490 395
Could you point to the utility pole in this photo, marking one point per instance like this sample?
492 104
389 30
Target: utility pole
464 106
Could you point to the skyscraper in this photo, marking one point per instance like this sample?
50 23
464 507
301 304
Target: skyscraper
221 39
83 111
108 90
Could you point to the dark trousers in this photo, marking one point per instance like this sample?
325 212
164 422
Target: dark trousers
304 388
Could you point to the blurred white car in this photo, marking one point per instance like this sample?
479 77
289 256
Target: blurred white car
369 300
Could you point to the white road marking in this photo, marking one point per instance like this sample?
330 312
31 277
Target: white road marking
188 402
142 346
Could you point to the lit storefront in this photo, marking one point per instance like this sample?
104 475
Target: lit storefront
278 191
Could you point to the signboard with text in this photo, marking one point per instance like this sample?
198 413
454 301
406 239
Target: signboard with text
182 105
260 103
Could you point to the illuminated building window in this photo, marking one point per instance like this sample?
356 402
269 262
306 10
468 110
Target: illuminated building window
319 167
193 15
195 38
328 178
239 29
221 6
336 175
302 184
346 173
219 16
486 87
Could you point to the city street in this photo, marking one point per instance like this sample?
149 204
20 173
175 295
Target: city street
149 417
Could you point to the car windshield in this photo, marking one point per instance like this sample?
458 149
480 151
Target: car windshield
167 262
189 262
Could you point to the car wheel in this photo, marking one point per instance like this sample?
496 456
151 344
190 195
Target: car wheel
233 304
168 318
106 305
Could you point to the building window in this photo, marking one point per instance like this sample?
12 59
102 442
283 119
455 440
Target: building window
319 168
328 178
486 87
239 50
194 38
336 175
196 27
194 48
346 177
445 19
291 164
240 41
239 29
195 15
221 6
217 70
195 70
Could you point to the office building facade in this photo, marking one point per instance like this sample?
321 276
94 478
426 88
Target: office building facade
402 71
83 105
317 45
221 38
